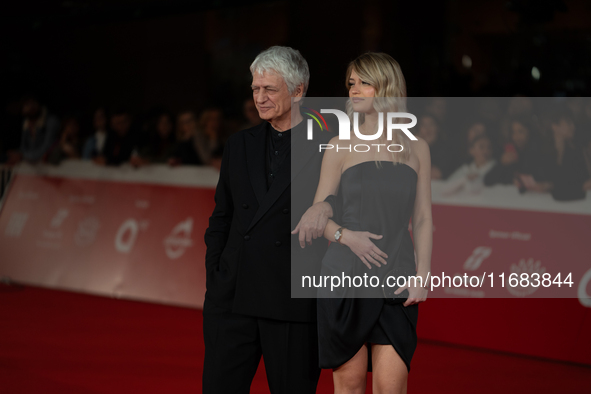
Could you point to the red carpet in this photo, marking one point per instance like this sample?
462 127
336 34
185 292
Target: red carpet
62 342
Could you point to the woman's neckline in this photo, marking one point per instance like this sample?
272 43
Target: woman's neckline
381 161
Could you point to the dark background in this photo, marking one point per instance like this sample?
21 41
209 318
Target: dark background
77 55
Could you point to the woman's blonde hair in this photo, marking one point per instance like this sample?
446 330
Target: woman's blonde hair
382 72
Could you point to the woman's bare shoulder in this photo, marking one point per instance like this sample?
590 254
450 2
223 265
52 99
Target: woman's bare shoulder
422 150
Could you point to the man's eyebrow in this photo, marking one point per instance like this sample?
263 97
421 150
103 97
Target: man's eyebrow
266 86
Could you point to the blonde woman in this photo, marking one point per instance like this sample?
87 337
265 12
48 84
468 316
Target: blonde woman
380 192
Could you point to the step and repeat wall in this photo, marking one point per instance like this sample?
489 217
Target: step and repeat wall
138 234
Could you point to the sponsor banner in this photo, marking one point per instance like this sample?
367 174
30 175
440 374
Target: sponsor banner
503 248
116 238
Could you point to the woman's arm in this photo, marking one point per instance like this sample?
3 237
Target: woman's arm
422 224
330 179
422 220
316 223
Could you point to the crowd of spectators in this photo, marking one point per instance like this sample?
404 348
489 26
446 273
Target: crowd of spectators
537 148
542 147
114 137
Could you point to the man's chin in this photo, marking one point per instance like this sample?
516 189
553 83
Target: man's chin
267 113
266 117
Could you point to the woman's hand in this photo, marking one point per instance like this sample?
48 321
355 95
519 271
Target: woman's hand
360 243
416 293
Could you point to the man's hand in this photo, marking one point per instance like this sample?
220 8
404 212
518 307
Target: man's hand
313 222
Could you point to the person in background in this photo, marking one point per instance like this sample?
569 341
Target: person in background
120 141
95 144
68 146
568 172
470 177
186 152
522 162
458 154
208 139
161 143
40 130
250 113
430 131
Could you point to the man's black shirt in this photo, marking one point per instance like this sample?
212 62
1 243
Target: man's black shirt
278 147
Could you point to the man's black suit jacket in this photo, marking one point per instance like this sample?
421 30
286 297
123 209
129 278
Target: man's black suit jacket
249 245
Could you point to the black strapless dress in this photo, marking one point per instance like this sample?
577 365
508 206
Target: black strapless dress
378 198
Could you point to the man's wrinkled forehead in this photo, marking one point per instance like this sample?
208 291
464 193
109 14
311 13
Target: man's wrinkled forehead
269 78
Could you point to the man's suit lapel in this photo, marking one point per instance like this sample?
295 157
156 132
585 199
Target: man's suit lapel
256 154
281 182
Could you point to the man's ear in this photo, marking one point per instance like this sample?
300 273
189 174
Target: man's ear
298 93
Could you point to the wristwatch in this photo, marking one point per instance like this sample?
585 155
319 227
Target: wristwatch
338 234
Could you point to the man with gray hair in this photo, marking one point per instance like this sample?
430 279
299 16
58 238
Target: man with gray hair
248 310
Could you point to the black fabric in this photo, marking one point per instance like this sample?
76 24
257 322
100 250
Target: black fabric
569 176
378 199
234 345
441 158
186 153
278 147
118 148
531 160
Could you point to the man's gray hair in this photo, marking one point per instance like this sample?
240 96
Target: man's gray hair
287 62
